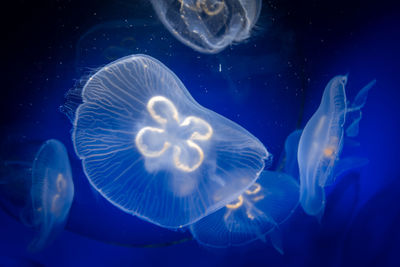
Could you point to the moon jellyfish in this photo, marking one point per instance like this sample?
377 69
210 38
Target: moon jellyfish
208 26
48 191
150 149
52 192
321 144
253 215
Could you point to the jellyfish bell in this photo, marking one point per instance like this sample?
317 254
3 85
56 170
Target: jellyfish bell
52 192
43 192
254 215
321 143
288 160
150 149
208 26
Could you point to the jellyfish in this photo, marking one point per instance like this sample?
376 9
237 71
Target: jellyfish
208 26
254 215
52 192
321 143
44 187
288 162
355 110
150 149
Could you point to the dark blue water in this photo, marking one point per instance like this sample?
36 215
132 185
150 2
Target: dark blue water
271 85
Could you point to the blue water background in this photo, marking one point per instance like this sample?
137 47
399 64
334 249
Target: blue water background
270 85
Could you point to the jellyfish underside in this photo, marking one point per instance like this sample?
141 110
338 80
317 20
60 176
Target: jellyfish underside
208 26
258 212
253 215
152 151
321 144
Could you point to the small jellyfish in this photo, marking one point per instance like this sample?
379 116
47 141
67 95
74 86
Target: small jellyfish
150 149
321 144
288 163
208 26
51 193
44 189
253 215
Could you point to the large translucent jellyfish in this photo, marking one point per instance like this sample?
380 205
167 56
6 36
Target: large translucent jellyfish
321 144
208 26
150 149
48 191
253 215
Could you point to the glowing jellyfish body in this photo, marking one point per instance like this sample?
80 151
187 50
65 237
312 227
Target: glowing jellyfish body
150 149
52 192
321 143
253 215
208 26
